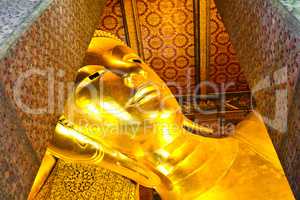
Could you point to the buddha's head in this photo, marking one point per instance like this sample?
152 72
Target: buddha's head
120 100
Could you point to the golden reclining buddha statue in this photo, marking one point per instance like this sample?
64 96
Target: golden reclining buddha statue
123 118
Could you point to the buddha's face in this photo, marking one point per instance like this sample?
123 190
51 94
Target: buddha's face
120 99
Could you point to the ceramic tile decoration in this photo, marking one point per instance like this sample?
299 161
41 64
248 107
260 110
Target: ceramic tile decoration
55 42
224 65
15 16
267 41
293 6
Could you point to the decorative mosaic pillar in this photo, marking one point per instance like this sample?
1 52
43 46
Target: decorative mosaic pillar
50 37
267 40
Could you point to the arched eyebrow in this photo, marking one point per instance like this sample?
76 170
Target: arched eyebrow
91 71
93 76
136 60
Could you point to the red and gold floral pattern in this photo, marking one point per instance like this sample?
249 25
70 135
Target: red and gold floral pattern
168 41
112 19
224 65
167 36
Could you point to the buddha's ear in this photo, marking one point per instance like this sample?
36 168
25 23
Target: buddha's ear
91 71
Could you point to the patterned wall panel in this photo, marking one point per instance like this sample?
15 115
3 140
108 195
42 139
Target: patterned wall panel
224 64
267 41
54 44
167 36
13 15
168 41
112 19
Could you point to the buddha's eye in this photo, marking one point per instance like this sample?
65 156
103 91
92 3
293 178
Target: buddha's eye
137 60
93 76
